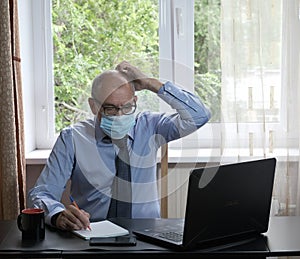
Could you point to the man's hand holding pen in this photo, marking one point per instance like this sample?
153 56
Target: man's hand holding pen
73 218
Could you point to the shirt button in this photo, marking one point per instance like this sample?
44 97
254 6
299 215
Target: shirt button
169 88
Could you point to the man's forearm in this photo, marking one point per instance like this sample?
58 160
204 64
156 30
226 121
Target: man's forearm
153 84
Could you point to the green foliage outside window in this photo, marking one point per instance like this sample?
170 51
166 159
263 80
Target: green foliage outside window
90 36
207 54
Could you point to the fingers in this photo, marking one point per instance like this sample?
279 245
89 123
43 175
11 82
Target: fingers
73 219
133 74
64 223
122 66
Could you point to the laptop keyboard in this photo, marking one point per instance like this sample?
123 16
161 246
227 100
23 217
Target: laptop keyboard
173 236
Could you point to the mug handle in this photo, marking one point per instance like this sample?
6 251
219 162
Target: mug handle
19 219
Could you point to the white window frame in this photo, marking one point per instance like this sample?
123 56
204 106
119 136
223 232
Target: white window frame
37 73
43 61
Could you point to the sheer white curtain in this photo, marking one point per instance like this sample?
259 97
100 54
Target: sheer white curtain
260 90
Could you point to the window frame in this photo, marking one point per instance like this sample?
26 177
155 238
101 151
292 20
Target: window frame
44 97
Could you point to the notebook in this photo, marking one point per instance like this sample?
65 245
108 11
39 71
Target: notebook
226 205
104 228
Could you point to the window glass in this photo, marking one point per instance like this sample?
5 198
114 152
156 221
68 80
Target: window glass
92 36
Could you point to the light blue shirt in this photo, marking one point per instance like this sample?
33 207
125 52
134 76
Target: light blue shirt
83 155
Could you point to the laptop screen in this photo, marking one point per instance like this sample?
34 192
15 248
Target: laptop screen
229 200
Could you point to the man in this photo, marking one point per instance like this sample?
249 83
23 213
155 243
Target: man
87 152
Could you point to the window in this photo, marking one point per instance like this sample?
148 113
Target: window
177 31
84 33
173 65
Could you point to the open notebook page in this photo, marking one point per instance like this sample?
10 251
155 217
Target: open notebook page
103 228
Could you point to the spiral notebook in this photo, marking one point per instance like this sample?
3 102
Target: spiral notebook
103 228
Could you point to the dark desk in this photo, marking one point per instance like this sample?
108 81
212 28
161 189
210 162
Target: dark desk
282 239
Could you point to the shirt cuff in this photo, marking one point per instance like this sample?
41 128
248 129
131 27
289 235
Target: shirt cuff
54 218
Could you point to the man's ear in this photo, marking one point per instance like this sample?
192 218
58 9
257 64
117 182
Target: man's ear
93 106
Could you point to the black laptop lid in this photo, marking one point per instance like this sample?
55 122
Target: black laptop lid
229 200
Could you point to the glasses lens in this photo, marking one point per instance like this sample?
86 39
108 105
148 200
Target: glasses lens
128 109
110 111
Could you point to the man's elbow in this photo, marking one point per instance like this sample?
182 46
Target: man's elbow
204 118
208 115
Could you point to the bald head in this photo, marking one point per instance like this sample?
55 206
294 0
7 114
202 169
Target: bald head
108 82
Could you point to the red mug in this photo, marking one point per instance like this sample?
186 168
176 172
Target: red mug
31 222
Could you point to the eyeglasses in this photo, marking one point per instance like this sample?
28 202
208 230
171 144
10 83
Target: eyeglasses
111 110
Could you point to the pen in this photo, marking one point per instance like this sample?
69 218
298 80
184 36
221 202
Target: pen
75 204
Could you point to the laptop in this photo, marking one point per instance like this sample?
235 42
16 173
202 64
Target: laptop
226 205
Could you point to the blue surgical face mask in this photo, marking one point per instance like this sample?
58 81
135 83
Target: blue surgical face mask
117 126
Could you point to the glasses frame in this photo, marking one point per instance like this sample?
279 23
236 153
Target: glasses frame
103 108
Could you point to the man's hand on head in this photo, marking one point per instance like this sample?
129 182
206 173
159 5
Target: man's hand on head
140 80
